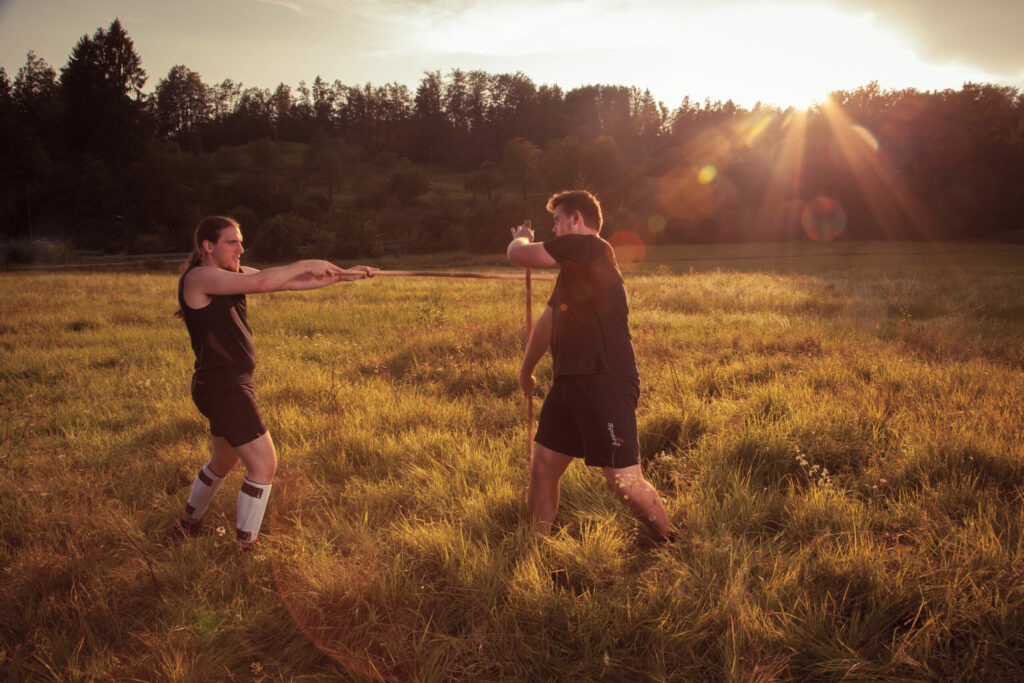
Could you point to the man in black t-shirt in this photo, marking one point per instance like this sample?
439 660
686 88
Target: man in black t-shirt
590 411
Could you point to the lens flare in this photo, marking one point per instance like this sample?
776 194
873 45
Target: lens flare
656 224
706 174
866 135
683 195
750 129
823 219
630 250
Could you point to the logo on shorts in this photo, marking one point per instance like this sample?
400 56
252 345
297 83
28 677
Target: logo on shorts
616 441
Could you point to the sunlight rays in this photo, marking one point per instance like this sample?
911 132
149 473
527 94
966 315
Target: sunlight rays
780 208
703 193
890 201
824 174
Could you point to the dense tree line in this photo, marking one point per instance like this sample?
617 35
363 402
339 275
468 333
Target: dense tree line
88 156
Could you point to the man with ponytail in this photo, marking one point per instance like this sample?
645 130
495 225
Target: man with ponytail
211 300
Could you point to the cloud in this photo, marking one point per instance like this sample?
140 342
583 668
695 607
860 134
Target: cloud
983 33
311 8
296 7
489 28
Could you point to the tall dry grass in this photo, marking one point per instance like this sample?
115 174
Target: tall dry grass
839 433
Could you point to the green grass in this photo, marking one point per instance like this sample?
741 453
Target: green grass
837 427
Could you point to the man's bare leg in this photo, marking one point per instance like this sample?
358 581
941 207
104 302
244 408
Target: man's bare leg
643 500
546 470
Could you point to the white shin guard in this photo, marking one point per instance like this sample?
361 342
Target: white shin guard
203 488
252 503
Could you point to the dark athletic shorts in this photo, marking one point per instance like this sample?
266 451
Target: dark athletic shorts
592 417
230 406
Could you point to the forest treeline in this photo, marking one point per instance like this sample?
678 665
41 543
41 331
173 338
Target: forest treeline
91 160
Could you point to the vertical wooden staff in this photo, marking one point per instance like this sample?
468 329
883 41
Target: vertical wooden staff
529 331
529 398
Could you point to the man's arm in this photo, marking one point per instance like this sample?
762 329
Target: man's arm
536 346
524 252
205 281
306 274
310 281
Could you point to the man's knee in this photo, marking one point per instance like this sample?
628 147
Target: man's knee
625 480
260 458
547 466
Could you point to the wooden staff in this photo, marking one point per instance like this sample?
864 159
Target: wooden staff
529 398
529 330
458 273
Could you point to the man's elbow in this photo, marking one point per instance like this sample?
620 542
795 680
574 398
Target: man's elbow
263 285
514 255
525 256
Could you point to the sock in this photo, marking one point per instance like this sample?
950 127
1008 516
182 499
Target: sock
252 503
205 485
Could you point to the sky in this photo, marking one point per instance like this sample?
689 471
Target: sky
785 52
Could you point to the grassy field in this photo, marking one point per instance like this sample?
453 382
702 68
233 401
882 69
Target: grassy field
838 429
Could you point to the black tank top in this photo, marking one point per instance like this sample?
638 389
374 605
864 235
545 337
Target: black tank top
220 334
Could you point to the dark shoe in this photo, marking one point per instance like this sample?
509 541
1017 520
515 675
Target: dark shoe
188 529
667 540
244 542
248 547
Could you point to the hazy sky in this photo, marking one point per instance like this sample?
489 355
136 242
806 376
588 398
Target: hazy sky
786 52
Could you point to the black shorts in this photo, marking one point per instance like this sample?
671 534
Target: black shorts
592 417
230 406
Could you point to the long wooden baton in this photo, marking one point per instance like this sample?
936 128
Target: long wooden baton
529 397
457 273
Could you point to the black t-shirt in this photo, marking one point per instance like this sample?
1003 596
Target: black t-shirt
220 334
590 324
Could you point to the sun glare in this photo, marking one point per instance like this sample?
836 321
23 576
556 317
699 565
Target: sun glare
786 55
774 53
